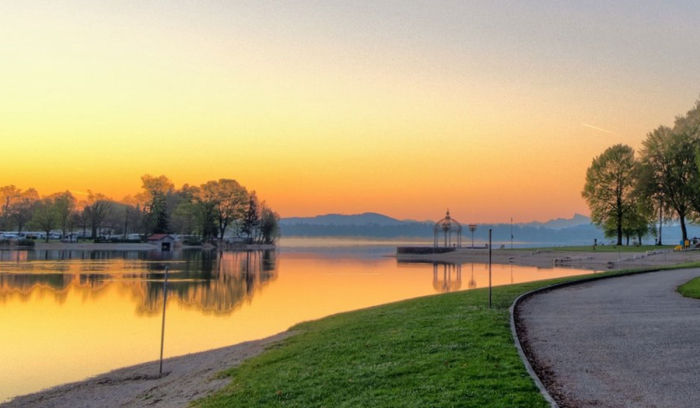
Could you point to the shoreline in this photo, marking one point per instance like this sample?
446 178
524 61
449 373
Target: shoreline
89 246
193 376
185 378
547 258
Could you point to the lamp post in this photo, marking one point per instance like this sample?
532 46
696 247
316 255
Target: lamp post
472 228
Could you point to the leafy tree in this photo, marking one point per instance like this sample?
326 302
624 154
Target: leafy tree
8 196
45 216
251 220
64 205
184 219
229 200
154 197
668 158
649 186
610 185
269 225
23 208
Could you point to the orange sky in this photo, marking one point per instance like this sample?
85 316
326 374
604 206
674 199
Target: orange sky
400 108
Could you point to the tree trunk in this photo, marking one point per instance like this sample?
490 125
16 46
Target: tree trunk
619 227
628 240
683 229
661 221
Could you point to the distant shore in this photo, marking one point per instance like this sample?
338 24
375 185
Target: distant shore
598 260
90 246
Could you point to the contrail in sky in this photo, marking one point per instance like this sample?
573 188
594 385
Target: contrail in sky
597 128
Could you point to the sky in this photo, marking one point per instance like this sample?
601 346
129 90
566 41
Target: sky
494 109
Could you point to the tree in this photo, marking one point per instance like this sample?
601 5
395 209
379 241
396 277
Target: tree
229 200
610 185
23 208
64 204
45 216
269 225
8 196
155 197
251 220
668 159
650 187
97 209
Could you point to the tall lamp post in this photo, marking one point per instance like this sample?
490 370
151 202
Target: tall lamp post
472 228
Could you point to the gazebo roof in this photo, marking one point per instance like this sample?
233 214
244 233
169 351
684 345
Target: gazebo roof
447 224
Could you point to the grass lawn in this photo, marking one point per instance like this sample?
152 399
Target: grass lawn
690 289
445 350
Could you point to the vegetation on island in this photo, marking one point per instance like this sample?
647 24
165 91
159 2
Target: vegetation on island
444 350
213 210
628 193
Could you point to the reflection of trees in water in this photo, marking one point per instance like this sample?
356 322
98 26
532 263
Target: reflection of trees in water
208 280
212 281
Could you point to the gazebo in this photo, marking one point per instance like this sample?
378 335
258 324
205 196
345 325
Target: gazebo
447 226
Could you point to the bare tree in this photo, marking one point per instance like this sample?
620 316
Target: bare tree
98 208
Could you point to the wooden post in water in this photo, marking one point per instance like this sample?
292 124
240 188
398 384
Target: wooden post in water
490 245
162 327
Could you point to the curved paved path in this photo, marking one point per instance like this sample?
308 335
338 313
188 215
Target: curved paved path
623 342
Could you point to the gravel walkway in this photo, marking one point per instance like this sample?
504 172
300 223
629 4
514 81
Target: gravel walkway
622 342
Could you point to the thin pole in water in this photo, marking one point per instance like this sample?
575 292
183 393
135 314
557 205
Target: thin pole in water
162 328
490 245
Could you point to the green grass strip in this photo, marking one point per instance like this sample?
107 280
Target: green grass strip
690 289
447 350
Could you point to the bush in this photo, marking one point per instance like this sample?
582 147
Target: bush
26 242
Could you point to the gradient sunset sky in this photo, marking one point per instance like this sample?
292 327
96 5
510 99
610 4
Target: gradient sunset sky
493 109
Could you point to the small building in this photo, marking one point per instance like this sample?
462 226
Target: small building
165 241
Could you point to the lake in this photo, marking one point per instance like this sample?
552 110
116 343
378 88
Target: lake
67 315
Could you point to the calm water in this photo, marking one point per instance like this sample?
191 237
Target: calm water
67 315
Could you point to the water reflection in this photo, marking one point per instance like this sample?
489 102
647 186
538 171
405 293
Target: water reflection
210 281
72 314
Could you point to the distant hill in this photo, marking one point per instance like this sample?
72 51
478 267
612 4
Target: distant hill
368 218
560 223
577 230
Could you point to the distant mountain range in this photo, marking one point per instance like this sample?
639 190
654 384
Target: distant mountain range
371 218
577 230
367 218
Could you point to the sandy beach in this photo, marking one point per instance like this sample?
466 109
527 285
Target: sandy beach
594 260
185 379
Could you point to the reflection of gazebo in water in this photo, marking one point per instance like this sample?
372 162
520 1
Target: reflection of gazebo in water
447 284
447 226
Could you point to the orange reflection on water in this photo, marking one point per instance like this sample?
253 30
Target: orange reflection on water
97 315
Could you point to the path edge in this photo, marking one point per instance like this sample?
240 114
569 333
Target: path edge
514 331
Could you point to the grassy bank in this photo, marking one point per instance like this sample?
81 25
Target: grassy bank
690 289
436 351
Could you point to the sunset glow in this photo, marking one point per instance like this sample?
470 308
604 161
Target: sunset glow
492 110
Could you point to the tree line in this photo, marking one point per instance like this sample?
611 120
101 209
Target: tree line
632 195
208 211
